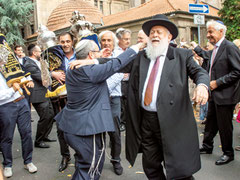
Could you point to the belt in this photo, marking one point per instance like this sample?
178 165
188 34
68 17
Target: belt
19 99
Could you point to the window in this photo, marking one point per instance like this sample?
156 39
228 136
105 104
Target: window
32 29
22 32
96 3
101 6
194 34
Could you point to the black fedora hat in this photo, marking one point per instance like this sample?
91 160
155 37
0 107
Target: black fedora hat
160 20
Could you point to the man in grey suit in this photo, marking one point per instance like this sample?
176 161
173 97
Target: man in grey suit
87 115
223 65
42 105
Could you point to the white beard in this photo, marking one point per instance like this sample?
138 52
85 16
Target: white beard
154 51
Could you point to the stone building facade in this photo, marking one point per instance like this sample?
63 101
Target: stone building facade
112 14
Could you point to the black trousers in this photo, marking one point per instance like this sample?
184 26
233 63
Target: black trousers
124 89
115 137
45 123
153 158
58 104
219 118
152 146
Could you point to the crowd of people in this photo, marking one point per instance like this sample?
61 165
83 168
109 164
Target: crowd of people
143 89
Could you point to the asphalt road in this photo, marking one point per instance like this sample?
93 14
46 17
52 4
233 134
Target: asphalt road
47 161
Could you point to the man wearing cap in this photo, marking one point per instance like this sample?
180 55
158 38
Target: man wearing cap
87 115
223 65
161 122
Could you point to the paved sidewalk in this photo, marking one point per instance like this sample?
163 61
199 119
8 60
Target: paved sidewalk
47 161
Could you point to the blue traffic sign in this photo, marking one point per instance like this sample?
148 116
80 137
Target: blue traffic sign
198 8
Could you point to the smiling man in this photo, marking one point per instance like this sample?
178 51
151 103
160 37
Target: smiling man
109 40
223 65
65 39
160 109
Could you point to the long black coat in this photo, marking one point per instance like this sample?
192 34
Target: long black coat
174 109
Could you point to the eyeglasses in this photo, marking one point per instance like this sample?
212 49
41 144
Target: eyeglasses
95 51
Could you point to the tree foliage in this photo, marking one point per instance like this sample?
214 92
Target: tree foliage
230 14
14 14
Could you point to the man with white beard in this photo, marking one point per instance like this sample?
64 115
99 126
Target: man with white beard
161 122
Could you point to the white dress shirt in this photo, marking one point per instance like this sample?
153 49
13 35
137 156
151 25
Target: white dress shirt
6 94
37 62
217 45
152 106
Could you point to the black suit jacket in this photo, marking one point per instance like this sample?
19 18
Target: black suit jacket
39 91
226 72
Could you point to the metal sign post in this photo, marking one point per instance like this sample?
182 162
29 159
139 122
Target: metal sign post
198 19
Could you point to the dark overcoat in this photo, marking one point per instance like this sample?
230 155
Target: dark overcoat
174 109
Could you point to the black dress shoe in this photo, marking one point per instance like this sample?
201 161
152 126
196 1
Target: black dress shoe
117 167
204 150
41 145
224 159
49 140
64 163
122 127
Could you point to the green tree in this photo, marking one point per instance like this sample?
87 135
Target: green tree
14 14
230 14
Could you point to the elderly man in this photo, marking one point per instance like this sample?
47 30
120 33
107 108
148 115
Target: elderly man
160 109
161 121
124 38
142 37
14 110
124 41
109 40
87 115
223 66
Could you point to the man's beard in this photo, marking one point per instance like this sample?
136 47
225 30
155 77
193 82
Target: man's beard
154 51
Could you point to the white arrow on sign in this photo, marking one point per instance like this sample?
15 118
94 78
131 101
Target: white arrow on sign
198 8
205 9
